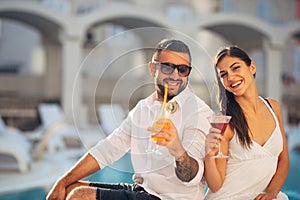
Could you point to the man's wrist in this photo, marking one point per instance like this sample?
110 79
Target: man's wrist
180 155
66 180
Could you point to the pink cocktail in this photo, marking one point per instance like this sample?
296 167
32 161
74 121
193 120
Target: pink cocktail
221 126
220 122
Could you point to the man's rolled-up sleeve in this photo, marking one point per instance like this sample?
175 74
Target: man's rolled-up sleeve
193 140
114 146
194 144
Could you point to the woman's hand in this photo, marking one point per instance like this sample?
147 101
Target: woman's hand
265 196
211 142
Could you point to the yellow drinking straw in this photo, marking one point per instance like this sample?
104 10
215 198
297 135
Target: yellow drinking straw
165 99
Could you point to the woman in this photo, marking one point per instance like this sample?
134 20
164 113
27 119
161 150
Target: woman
255 141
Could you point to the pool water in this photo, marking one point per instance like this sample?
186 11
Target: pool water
121 171
32 194
292 184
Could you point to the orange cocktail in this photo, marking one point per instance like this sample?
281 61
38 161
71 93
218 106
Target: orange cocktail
163 125
159 125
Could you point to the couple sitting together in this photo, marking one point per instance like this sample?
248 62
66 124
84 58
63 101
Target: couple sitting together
254 141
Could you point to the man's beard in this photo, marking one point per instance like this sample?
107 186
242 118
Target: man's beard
160 89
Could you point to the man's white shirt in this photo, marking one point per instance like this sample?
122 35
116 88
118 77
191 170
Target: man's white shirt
158 170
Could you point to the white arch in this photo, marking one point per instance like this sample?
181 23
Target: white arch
292 29
36 9
109 13
213 20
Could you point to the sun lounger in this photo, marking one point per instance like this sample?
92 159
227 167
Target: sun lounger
111 116
15 149
60 136
53 135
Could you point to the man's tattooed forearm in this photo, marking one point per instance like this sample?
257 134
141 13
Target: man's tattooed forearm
186 168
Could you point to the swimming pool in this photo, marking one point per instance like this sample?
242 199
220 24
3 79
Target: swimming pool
121 172
292 184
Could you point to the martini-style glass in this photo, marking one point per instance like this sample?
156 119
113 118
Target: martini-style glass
219 122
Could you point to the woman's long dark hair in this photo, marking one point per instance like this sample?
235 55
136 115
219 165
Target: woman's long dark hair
228 104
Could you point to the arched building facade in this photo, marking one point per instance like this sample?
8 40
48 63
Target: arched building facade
68 39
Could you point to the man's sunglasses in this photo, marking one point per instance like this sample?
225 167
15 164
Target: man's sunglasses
168 68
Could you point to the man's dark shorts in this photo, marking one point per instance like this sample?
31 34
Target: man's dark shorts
122 191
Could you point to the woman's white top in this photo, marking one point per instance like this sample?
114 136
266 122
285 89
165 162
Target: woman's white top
249 171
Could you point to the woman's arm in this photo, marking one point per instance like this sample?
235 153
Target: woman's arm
215 169
283 160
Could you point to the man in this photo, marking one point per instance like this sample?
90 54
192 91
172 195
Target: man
175 172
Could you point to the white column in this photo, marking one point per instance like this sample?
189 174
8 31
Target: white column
52 76
71 78
273 83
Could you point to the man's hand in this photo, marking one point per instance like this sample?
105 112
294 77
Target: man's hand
58 191
86 166
166 129
186 166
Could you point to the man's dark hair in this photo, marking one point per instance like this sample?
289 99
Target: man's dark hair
171 45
